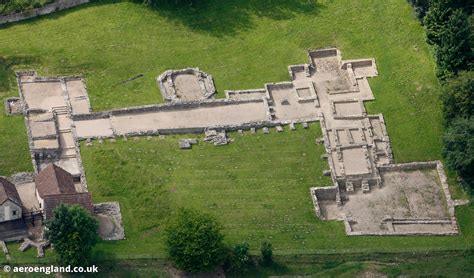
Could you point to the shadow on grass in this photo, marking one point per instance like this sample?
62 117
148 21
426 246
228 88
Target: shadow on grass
275 269
226 18
7 74
215 17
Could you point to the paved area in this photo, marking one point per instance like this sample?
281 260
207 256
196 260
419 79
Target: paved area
326 89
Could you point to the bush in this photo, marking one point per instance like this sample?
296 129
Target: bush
194 241
458 149
73 232
266 249
239 259
458 98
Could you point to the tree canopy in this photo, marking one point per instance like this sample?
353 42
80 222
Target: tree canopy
73 233
458 97
459 149
194 241
453 52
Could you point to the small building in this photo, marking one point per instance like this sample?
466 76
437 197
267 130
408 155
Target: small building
55 186
10 202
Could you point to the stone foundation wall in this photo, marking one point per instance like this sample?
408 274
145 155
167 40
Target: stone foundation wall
323 193
47 9
404 221
322 53
408 166
168 76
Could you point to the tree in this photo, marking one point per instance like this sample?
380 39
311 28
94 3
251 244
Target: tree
266 249
453 52
420 7
458 97
458 149
435 20
194 241
73 233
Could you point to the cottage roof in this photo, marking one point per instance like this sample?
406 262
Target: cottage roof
52 201
8 191
54 180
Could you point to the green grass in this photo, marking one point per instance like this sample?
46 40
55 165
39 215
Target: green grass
258 187
14 153
439 264
243 44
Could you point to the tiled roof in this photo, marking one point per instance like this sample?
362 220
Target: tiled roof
52 201
54 180
8 191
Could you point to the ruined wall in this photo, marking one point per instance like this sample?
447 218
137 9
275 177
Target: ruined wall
47 9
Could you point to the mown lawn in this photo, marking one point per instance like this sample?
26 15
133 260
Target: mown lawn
257 187
243 44
14 154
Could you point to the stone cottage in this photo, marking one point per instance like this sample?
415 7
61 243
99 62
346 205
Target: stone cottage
55 186
10 202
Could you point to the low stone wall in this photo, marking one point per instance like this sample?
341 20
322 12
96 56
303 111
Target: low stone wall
161 107
9 108
47 9
110 210
408 166
358 63
450 204
323 193
322 53
259 93
206 82
169 131
22 177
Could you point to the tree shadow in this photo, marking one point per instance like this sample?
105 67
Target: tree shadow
216 17
226 18
7 74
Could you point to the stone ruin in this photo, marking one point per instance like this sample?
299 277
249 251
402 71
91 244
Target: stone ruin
186 85
13 106
371 194
216 137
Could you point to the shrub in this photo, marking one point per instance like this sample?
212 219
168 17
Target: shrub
239 258
194 241
266 249
73 232
458 149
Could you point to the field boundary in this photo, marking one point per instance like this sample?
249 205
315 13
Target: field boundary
46 9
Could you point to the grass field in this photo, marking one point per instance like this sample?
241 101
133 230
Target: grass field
445 264
14 154
258 187
243 44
